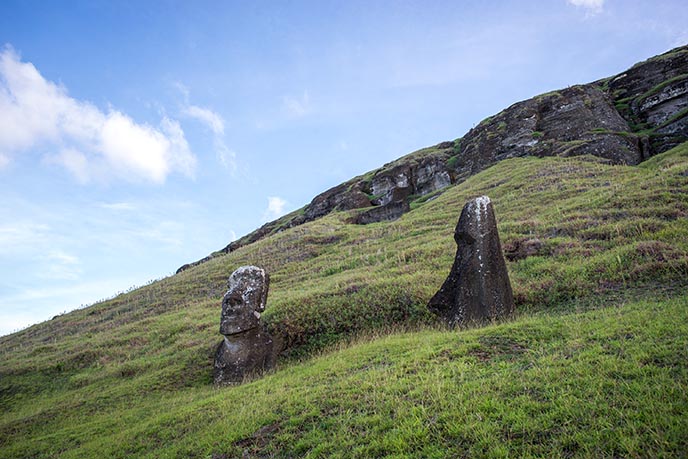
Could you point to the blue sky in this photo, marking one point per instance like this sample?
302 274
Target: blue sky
138 136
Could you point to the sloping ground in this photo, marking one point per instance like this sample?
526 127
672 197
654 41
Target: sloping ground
606 383
385 193
131 376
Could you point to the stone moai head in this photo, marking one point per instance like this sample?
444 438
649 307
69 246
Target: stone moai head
476 222
477 289
245 300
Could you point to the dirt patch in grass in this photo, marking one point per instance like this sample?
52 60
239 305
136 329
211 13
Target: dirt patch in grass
497 347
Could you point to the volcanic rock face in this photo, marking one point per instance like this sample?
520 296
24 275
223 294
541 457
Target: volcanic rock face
653 97
478 288
624 119
246 348
343 197
390 211
575 121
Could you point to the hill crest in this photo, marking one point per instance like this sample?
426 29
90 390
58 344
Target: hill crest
626 119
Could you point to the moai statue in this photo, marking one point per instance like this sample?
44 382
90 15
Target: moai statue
478 288
247 348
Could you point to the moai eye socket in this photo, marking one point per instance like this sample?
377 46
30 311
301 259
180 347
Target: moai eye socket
235 301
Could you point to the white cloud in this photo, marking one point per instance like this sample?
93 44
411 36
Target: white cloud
296 107
183 89
225 156
207 117
593 6
36 245
75 162
89 143
213 121
61 265
4 160
275 208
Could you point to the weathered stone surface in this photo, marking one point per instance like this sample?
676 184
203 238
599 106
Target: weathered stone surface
343 197
478 288
245 300
575 121
391 185
432 174
243 354
650 73
653 96
247 348
624 119
388 212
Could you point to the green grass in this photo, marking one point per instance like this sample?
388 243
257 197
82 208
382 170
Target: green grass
132 376
611 382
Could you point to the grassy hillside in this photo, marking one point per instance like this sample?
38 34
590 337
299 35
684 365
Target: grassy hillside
131 376
611 382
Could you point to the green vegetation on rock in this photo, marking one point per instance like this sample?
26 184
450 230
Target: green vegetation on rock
660 87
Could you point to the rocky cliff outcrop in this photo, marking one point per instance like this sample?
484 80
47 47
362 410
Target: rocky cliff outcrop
576 121
624 119
653 98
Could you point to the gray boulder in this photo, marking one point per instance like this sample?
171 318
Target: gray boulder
247 348
478 288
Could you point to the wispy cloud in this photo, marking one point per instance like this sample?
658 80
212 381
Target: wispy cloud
61 266
37 246
207 117
296 107
275 209
164 233
213 121
224 155
119 206
591 6
18 236
89 143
